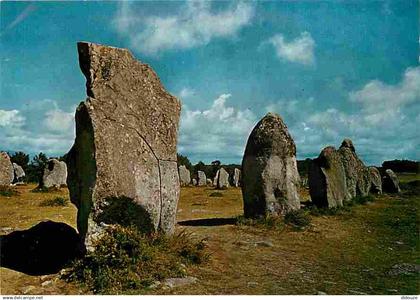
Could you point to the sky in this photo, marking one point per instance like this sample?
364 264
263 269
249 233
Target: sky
331 69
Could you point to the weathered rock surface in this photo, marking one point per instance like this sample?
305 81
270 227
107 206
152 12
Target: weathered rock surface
184 175
6 169
222 179
375 181
123 164
390 183
18 173
202 180
55 174
270 179
327 179
357 175
236 177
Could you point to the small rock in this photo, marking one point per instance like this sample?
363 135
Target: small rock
46 283
180 281
404 269
155 284
399 243
264 244
252 284
321 293
28 289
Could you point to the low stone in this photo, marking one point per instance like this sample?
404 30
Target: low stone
28 289
209 182
404 269
390 183
194 181
179 281
46 283
264 244
55 174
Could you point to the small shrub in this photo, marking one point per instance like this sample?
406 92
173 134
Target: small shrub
43 189
57 201
126 259
411 188
8 191
333 211
363 199
216 194
298 218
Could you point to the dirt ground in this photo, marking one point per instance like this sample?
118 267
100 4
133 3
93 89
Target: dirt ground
348 253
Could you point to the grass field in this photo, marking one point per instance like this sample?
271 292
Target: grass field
351 252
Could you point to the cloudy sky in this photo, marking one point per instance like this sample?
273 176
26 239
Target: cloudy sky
332 70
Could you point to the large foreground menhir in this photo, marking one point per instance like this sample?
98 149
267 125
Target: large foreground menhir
122 166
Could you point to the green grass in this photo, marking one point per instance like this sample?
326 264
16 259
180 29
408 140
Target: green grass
57 201
216 194
8 191
43 189
269 222
127 261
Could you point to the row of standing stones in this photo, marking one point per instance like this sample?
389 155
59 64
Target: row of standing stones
221 180
124 163
54 174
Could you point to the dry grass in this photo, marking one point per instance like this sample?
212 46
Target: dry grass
347 253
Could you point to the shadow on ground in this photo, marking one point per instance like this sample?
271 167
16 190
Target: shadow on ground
209 222
43 249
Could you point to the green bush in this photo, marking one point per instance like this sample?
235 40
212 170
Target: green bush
268 222
297 218
127 260
57 201
8 191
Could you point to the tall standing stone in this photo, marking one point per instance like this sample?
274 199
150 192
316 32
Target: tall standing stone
375 181
202 180
236 177
390 182
123 164
357 174
6 169
327 179
184 175
55 174
222 181
270 179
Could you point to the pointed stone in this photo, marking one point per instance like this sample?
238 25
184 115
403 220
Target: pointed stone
270 179
123 164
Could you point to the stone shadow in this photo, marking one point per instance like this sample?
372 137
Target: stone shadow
43 249
209 222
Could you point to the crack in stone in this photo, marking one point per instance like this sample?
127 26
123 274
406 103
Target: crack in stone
157 159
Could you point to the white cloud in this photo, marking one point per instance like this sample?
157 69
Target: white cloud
218 132
38 126
186 93
383 126
194 24
299 50
11 118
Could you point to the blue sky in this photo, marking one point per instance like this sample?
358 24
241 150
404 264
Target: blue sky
331 69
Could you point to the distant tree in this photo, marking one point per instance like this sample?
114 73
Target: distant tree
35 169
401 166
183 160
303 167
20 158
